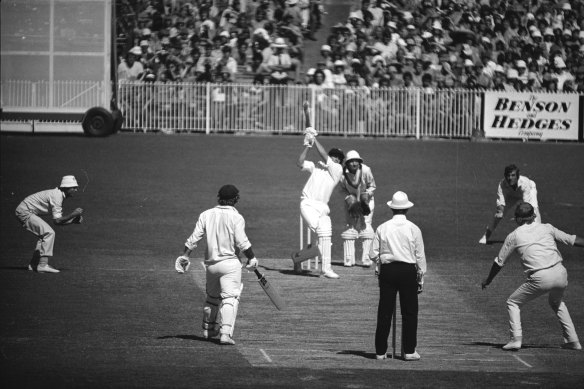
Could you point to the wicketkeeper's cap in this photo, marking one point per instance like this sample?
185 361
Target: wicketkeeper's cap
228 192
352 156
524 211
334 152
400 201
68 182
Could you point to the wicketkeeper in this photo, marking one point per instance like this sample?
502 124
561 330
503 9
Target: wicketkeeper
357 185
224 228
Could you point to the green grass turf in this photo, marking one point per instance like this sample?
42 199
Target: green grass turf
119 316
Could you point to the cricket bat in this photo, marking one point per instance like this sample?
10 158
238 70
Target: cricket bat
311 251
270 290
306 107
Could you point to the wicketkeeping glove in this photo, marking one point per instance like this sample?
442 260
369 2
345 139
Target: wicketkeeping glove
364 199
182 264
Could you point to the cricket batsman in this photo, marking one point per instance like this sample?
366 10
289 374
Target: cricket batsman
224 228
324 177
512 190
357 185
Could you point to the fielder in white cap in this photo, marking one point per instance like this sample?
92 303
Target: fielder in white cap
398 250
357 187
47 202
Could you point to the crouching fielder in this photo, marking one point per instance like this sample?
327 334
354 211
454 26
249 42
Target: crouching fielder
224 229
536 244
357 187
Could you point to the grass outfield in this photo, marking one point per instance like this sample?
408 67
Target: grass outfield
118 315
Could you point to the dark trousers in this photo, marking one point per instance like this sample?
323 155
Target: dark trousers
394 278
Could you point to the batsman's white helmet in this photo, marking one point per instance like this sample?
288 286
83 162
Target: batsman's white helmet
353 155
68 182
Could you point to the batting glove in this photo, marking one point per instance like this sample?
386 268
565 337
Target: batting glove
182 264
252 264
308 140
311 131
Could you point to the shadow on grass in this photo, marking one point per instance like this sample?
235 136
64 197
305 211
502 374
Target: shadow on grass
190 337
500 345
291 272
364 354
14 268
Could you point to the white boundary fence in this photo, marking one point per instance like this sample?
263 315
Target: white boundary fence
245 108
63 96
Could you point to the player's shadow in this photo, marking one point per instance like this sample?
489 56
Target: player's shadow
190 337
491 242
362 354
500 345
291 272
14 268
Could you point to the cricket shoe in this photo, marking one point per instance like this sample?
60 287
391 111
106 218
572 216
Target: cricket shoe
412 357
225 339
367 263
30 268
514 344
572 346
208 334
47 269
330 274
380 357
483 240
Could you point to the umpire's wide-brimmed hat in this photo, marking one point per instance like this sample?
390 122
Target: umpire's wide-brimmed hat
228 192
353 156
68 182
400 201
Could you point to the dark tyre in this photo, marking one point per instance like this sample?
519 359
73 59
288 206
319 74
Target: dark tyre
97 121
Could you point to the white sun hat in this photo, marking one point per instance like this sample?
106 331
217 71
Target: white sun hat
353 155
400 201
68 182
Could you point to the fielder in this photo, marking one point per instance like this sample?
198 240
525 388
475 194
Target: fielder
357 185
42 203
513 189
536 244
224 229
324 177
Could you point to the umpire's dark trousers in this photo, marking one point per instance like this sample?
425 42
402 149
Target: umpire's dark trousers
397 277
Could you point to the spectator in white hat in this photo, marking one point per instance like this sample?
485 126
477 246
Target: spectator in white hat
131 69
279 63
561 74
47 202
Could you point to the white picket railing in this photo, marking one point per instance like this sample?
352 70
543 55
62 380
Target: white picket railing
56 95
216 108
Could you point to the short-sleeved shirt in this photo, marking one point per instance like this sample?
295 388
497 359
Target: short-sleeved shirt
526 191
366 182
536 244
46 202
224 228
322 181
399 240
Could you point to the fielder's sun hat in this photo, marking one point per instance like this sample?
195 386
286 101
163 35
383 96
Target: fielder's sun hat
228 192
400 201
68 182
524 211
353 156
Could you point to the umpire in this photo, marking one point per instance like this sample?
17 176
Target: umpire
398 249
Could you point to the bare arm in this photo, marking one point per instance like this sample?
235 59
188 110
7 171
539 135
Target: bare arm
302 157
495 269
321 150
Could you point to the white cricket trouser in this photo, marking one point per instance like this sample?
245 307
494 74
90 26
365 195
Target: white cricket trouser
312 211
224 278
41 229
554 281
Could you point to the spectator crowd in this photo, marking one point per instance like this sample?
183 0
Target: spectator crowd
511 45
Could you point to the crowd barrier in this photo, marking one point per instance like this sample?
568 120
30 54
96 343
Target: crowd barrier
235 108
